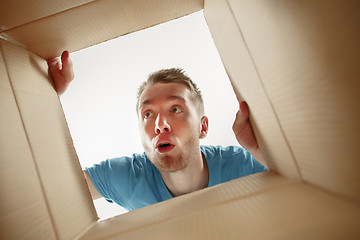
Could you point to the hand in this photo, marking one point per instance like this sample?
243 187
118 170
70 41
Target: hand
242 128
244 133
61 71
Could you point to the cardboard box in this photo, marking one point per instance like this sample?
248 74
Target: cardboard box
294 62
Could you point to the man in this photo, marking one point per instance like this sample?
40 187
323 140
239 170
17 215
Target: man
171 122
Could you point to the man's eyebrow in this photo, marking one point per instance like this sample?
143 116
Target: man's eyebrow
149 101
177 97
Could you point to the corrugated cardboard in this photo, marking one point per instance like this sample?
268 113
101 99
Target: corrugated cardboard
246 81
294 62
185 205
95 22
22 199
47 146
305 57
258 207
318 104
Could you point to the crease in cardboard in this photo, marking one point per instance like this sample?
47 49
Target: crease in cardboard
85 230
265 91
7 38
333 194
201 209
30 147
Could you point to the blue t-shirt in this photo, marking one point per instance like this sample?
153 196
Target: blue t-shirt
134 182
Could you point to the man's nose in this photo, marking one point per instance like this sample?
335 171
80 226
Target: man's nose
161 125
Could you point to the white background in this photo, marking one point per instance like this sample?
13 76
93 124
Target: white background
100 103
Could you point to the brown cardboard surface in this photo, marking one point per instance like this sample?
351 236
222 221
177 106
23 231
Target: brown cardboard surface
307 58
21 198
14 13
184 205
281 209
248 86
96 22
295 63
65 190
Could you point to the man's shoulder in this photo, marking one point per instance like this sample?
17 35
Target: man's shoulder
134 162
230 156
227 163
220 151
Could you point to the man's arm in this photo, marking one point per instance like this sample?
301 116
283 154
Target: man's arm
244 133
61 71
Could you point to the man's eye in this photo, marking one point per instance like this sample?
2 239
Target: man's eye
176 110
148 114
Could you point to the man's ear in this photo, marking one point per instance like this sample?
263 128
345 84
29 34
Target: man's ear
204 127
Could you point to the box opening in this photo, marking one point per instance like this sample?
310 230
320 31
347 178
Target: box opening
97 100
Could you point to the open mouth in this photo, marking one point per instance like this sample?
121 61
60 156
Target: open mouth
164 147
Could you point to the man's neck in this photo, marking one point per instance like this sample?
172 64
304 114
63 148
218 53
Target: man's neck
194 177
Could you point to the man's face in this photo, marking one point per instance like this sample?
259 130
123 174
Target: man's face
170 127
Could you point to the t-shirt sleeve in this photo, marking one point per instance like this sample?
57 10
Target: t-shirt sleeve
249 165
228 163
115 178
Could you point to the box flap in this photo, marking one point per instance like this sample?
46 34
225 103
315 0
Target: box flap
270 207
22 197
247 85
185 205
60 174
306 56
96 22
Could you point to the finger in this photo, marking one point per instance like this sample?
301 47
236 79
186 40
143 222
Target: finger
246 138
242 128
239 123
67 70
244 109
241 117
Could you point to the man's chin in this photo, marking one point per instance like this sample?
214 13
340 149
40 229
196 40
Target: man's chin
170 166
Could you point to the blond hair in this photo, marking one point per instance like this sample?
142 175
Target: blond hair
173 75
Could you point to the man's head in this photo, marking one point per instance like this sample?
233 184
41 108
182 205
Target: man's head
173 75
171 121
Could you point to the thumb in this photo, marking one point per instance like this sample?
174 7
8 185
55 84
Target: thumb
67 70
244 109
241 119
